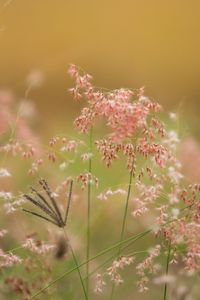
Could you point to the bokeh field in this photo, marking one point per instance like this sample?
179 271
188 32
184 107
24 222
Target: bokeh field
125 149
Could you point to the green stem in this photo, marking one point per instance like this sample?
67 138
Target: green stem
131 239
88 215
76 263
167 269
80 276
126 210
124 222
15 249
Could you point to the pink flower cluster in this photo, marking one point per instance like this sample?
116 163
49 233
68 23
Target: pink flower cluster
183 231
123 114
146 195
117 265
147 266
99 283
86 178
37 246
8 259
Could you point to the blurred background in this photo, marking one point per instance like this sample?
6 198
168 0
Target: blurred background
130 43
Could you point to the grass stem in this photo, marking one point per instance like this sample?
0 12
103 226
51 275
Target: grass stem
77 266
88 216
123 223
167 269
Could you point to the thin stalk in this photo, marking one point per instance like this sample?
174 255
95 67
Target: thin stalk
88 215
132 238
123 222
126 210
167 269
79 273
15 249
77 266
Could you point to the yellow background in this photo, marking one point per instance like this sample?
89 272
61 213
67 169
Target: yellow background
121 43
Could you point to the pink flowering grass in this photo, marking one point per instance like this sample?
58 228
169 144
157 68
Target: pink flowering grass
133 218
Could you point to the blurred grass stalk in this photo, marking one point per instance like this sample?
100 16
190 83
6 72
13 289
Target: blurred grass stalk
88 215
77 266
167 269
124 221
